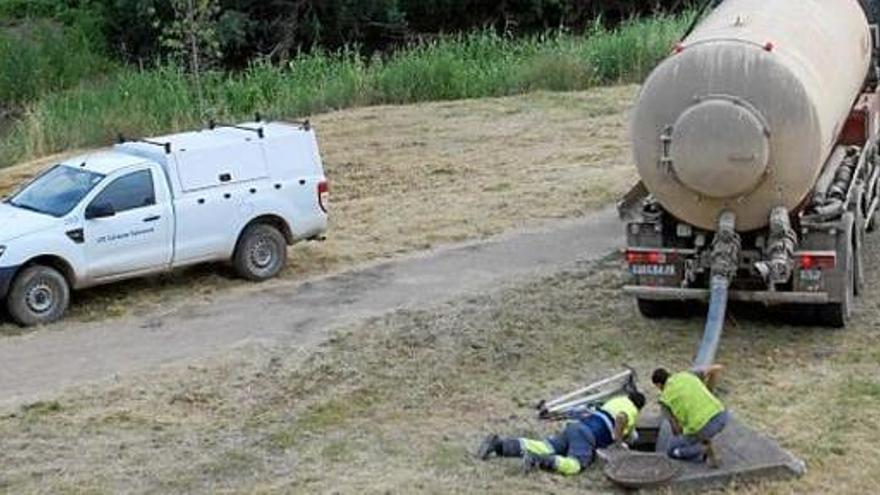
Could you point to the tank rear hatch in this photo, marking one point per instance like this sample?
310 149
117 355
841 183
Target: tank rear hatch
745 113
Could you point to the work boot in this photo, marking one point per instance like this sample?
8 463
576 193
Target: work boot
533 462
491 445
711 457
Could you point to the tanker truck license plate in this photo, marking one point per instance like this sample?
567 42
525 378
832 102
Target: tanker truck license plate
811 275
653 270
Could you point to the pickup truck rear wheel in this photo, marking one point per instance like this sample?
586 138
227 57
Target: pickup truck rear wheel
261 253
38 296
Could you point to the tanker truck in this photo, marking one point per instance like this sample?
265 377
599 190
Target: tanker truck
756 142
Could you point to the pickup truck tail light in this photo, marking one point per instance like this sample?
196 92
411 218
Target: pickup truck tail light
324 195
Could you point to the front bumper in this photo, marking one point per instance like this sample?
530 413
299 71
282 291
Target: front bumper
7 274
769 298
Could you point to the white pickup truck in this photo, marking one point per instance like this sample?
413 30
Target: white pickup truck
240 193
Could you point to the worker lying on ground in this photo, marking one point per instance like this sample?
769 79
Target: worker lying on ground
574 449
695 414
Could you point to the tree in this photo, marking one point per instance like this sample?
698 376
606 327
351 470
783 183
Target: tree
232 33
191 38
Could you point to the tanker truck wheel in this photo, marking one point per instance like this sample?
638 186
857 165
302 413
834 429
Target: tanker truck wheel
654 310
837 315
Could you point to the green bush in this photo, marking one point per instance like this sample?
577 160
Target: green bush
41 56
138 102
280 28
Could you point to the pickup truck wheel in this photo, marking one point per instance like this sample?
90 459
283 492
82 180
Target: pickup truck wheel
261 253
39 295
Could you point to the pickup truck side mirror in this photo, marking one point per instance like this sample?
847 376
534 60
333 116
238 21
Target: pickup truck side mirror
99 210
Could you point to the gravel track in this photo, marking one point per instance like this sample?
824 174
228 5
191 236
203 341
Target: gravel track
39 364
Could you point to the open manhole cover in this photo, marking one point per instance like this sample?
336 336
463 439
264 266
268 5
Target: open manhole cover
642 470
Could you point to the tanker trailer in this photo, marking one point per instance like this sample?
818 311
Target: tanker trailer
756 142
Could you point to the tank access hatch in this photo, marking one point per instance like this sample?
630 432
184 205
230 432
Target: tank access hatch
746 454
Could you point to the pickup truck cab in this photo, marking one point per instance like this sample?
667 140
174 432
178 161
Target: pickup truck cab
237 193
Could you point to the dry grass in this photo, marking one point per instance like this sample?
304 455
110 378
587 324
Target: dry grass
407 178
397 404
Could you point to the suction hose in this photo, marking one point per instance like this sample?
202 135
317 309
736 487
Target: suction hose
725 262
714 324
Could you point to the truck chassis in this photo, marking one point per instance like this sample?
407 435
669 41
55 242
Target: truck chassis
816 253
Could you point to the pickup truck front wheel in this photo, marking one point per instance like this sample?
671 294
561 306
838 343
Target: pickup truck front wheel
261 253
38 296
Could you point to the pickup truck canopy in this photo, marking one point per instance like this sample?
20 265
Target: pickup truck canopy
229 155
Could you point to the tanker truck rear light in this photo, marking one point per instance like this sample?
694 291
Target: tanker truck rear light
650 257
818 261
769 46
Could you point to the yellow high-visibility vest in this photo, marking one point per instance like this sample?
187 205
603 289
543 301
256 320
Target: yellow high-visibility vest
622 405
692 404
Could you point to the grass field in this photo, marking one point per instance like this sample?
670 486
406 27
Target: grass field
398 404
406 178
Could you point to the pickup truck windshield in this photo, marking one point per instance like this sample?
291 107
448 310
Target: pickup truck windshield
57 191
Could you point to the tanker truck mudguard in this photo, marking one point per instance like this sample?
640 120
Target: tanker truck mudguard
767 112
234 193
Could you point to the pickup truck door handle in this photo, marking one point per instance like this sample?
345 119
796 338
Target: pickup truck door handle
152 219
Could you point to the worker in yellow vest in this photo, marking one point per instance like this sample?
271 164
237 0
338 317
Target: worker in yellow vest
696 415
574 449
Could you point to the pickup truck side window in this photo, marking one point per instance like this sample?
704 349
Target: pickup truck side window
129 192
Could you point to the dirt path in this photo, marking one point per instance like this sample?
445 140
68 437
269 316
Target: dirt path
36 365
398 403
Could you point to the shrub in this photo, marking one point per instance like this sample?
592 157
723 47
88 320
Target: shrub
41 56
139 102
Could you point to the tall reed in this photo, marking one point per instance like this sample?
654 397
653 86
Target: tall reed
143 102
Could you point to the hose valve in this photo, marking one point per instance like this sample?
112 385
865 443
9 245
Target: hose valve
779 265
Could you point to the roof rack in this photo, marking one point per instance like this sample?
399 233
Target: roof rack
212 124
306 125
121 139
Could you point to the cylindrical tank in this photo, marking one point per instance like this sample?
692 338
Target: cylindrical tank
744 114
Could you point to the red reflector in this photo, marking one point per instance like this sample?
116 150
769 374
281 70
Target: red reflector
769 46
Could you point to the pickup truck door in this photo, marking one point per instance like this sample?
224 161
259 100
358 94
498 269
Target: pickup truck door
128 226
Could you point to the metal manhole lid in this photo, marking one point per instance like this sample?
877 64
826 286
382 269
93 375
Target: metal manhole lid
636 470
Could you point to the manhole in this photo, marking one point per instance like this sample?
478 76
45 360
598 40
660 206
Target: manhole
638 470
